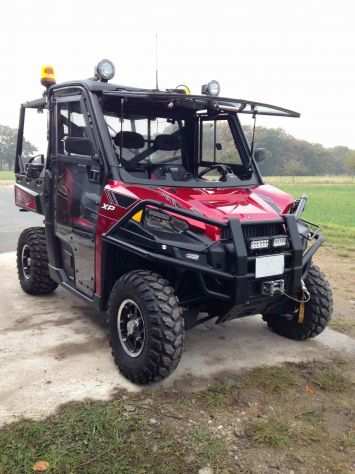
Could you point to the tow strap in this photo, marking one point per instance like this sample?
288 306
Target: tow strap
301 314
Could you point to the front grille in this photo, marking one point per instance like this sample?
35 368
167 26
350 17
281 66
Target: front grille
270 229
264 231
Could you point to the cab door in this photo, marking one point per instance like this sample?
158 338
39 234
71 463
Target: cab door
77 190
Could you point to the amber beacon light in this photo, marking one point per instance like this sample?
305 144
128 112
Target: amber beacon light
47 76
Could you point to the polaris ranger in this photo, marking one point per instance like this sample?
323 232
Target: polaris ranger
156 213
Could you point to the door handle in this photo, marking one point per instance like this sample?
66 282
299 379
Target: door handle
94 174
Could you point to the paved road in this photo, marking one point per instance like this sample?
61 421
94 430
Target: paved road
12 221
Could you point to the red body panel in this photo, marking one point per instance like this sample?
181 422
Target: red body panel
258 203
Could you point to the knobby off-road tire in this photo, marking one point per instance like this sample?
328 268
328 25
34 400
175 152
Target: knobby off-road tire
151 297
32 262
318 310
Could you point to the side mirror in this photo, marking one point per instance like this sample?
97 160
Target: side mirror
79 146
260 154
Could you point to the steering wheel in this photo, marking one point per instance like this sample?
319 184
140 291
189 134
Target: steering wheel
224 170
165 169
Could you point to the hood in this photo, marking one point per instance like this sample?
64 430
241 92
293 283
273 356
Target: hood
248 204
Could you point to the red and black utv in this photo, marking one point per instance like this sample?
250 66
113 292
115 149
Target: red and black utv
155 211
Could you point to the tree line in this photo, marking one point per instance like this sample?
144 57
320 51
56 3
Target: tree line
8 138
293 157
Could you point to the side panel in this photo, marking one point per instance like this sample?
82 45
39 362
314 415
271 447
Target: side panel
76 205
109 213
76 193
115 202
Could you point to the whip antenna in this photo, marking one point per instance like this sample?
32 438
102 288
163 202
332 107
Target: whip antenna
156 62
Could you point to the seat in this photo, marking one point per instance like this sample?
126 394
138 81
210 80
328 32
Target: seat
168 142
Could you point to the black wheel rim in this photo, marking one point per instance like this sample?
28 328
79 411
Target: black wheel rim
26 261
130 328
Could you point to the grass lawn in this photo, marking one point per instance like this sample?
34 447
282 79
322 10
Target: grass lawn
297 418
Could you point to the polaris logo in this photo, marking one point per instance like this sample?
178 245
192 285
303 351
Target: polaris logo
170 200
108 207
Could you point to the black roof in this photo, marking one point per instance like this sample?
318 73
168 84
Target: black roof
197 102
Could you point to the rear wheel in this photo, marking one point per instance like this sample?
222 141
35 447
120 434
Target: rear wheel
147 327
32 262
311 320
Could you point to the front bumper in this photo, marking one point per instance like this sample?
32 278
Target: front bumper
225 270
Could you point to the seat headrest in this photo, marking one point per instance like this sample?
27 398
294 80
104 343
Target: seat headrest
168 142
129 140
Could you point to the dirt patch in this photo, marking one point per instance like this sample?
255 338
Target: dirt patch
35 322
339 266
70 349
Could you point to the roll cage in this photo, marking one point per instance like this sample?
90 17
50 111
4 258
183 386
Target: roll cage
37 104
172 101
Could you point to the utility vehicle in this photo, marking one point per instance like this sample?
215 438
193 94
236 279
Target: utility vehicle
155 212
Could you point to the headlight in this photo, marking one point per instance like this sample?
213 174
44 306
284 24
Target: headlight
280 242
212 88
259 244
164 222
105 70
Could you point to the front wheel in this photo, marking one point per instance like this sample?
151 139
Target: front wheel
32 262
315 315
147 327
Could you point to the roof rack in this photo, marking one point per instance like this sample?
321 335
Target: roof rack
195 102
200 102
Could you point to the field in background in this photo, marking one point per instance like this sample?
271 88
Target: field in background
7 175
279 180
331 204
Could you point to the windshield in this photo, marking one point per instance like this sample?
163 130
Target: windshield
181 149
142 143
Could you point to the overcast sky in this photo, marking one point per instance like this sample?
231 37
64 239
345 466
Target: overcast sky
297 54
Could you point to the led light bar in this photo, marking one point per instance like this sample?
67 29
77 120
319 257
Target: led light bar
259 244
279 242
